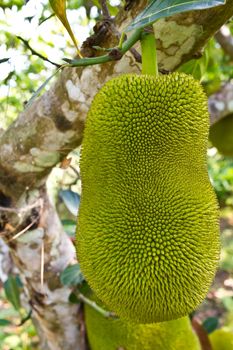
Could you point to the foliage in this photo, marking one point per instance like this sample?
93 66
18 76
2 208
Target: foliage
72 276
221 175
12 291
159 9
12 334
23 73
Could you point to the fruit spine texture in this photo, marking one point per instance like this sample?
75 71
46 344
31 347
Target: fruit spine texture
147 233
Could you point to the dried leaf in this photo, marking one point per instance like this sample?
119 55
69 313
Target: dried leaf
65 163
59 8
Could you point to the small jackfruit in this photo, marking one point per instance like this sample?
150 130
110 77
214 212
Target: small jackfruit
112 334
221 339
221 135
147 233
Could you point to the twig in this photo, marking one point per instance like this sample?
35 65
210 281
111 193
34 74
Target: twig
47 18
225 39
25 319
136 55
122 38
115 54
75 170
21 210
26 43
23 231
9 210
96 307
105 10
42 265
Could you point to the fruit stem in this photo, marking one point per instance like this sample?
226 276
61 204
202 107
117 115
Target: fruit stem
96 307
149 54
113 55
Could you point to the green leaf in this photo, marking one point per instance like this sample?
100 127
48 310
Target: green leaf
73 299
4 322
210 324
71 200
228 303
196 67
69 227
164 8
12 291
37 92
72 276
3 60
59 8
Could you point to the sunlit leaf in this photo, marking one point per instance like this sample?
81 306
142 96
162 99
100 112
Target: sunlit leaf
59 8
165 8
228 303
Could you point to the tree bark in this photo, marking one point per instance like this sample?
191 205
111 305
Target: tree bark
44 134
225 39
221 103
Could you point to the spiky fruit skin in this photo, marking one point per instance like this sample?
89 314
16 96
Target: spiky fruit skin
221 135
147 233
221 339
112 334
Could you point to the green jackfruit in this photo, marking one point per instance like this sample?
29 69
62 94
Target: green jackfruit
147 233
110 334
221 339
221 135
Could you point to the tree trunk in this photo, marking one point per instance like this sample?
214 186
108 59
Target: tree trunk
43 135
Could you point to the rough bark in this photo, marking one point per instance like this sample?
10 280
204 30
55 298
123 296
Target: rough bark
42 136
225 39
221 103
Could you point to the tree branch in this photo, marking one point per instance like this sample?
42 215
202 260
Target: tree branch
225 39
105 11
56 319
35 53
221 103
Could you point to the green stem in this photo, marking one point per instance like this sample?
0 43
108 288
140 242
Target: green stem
131 40
115 54
88 61
96 307
149 55
122 38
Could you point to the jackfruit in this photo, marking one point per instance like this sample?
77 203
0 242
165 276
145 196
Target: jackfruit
147 234
111 334
221 339
221 135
